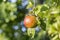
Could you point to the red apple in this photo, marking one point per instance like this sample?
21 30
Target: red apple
30 21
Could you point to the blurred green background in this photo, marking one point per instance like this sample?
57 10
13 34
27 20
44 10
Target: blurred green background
12 13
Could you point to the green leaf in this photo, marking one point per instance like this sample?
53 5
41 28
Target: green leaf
31 32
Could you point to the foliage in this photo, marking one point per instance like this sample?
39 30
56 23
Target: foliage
47 15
